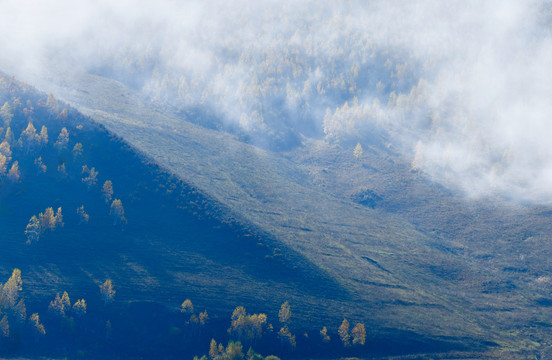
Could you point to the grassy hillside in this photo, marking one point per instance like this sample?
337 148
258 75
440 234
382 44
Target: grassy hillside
416 257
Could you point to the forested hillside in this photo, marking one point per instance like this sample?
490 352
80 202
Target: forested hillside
107 246
302 179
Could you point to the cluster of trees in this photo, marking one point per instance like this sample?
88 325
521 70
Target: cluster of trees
232 351
61 306
249 328
12 173
187 308
358 333
278 83
13 313
246 327
284 316
45 221
33 141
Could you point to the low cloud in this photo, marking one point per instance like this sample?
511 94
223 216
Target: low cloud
462 85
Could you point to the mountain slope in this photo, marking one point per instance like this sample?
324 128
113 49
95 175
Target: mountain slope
419 257
379 257
177 242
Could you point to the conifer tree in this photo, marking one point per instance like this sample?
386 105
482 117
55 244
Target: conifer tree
40 165
3 165
6 114
343 332
4 326
32 231
107 291
324 335
286 336
213 349
358 151
285 313
83 216
47 220
59 218
107 191
359 334
187 307
29 139
5 150
14 173
9 136
60 305
79 308
62 140
91 176
43 136
38 327
117 212
77 150
63 114
11 289
203 317
52 103
20 311
61 170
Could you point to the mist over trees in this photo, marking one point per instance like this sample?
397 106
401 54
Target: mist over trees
345 71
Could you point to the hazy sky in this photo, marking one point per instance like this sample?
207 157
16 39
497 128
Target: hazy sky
479 120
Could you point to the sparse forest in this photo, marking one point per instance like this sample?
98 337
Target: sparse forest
270 180
32 158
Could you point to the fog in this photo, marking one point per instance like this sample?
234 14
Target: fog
462 87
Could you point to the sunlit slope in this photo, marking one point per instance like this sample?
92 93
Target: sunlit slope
381 259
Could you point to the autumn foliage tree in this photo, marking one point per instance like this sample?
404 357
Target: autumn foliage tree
6 114
13 312
343 332
9 136
37 325
14 173
77 150
359 334
79 308
247 327
29 139
47 220
43 137
61 305
11 289
107 191
62 140
324 335
3 165
5 149
284 315
187 307
90 176
40 165
83 216
117 212
32 231
107 291
358 151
